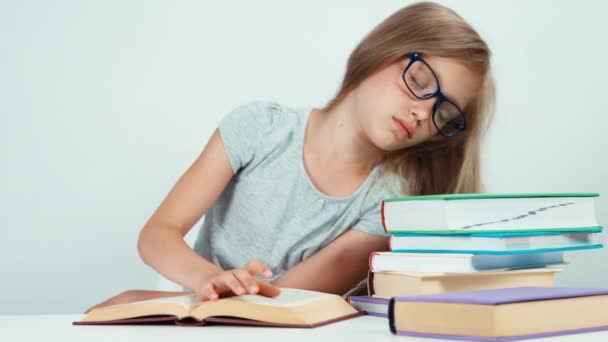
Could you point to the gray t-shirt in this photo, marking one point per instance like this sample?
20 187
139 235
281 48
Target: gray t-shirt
270 210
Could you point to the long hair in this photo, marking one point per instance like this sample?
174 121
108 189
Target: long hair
448 165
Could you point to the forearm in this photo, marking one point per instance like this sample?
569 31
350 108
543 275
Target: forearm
166 251
337 267
338 274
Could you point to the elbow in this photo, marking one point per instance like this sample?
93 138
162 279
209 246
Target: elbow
142 245
153 241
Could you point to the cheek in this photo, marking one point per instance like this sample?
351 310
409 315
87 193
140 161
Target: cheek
371 128
432 130
383 90
369 123
386 135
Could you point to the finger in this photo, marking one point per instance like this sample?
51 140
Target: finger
208 293
228 279
247 280
257 267
267 289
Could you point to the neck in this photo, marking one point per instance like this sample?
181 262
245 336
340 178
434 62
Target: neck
337 137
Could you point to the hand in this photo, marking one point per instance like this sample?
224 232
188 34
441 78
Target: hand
237 281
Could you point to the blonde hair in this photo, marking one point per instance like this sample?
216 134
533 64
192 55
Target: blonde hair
446 165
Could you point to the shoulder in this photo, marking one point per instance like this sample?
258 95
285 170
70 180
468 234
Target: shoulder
260 114
386 185
391 184
253 130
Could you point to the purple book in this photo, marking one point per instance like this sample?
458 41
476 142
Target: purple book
370 305
497 297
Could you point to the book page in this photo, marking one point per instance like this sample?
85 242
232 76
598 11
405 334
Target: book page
288 297
186 301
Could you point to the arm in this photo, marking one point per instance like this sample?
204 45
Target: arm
161 242
337 267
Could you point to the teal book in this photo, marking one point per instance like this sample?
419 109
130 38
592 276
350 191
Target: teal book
490 213
518 242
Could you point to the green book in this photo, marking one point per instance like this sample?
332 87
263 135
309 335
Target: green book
475 213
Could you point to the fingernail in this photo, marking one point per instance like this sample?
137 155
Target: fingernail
253 289
268 273
213 297
240 290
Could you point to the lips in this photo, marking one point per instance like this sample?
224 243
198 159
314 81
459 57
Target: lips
403 126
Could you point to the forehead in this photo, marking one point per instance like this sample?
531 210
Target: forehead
457 82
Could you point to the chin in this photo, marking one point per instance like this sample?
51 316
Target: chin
396 148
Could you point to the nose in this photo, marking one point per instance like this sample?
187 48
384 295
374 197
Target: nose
422 110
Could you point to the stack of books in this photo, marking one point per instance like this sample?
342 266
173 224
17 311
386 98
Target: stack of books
471 242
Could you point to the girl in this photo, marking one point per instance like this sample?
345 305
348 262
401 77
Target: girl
293 194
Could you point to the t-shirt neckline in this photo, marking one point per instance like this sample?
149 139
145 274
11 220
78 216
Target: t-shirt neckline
302 136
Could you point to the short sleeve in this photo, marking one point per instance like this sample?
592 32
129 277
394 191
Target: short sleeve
371 213
242 131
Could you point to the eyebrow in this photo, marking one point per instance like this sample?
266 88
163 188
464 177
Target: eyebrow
448 96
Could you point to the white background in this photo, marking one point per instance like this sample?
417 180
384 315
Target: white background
104 104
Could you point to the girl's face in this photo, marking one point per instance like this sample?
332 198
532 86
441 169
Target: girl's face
393 118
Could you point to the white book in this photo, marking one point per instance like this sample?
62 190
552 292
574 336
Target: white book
459 263
470 213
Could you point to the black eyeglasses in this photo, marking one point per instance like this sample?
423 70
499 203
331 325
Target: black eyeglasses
422 82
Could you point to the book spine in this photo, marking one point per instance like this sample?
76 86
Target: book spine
391 316
370 283
371 261
383 219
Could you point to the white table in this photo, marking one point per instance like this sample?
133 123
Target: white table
367 328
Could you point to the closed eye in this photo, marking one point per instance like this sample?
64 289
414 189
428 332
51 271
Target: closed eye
442 118
417 84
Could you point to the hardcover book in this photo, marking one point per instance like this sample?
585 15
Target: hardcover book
500 314
493 242
459 262
391 284
292 308
470 213
372 306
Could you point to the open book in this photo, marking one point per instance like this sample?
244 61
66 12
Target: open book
292 308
